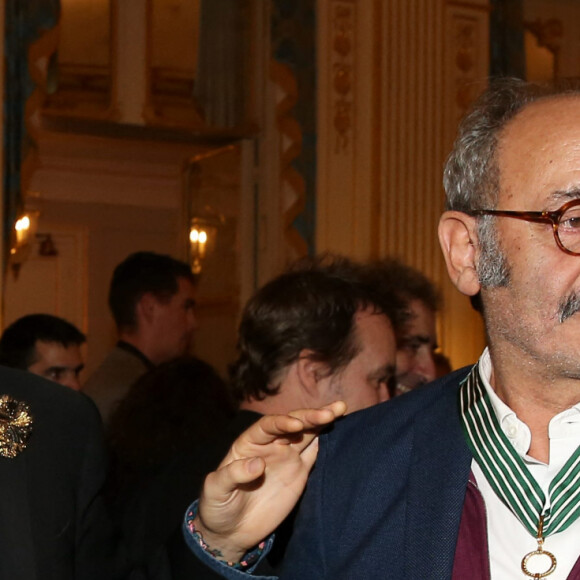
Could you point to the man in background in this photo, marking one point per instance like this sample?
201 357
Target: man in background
417 339
318 332
45 345
152 301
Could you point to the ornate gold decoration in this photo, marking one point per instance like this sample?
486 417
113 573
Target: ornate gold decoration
342 45
15 426
466 47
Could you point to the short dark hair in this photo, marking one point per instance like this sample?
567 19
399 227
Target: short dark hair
311 306
407 282
138 274
18 341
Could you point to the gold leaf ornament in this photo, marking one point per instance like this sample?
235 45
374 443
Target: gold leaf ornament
15 426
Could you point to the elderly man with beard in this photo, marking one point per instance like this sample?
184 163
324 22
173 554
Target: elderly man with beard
478 475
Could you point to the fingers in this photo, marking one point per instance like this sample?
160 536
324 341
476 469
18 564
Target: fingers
298 429
309 454
319 417
338 408
219 484
274 426
271 427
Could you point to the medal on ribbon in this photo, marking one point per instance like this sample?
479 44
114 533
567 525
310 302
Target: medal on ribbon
512 481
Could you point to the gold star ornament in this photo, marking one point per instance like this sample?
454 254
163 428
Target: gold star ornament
15 426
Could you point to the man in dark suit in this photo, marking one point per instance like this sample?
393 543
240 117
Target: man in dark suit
52 522
417 339
476 476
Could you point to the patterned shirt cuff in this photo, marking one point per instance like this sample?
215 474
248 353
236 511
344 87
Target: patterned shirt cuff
233 571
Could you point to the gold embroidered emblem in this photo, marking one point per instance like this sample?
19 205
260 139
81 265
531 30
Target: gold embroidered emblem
15 426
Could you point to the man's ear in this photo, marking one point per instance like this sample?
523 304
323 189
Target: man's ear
458 239
145 309
311 372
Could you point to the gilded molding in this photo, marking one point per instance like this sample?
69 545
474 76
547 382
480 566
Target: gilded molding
291 179
466 45
342 66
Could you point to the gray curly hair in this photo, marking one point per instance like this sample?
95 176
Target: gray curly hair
471 174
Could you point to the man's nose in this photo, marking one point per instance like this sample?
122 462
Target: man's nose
425 366
192 322
72 382
384 393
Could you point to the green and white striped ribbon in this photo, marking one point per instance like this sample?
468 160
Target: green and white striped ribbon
506 471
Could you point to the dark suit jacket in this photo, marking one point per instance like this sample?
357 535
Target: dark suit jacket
386 495
52 522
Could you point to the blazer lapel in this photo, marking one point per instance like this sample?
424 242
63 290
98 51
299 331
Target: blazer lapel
17 556
438 476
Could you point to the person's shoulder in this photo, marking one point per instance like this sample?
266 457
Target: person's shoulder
384 438
424 404
119 367
53 407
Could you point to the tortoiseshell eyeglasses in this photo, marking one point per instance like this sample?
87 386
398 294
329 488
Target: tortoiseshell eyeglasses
565 223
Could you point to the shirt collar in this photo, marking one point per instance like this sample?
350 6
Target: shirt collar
515 429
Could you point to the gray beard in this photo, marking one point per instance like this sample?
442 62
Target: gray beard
568 307
493 269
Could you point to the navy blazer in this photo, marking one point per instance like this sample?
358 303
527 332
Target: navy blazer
386 495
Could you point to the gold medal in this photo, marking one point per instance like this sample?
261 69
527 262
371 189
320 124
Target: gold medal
539 553
541 514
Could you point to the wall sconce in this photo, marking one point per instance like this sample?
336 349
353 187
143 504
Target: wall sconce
202 237
200 219
22 228
21 240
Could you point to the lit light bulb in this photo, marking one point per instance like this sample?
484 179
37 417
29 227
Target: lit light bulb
22 224
22 227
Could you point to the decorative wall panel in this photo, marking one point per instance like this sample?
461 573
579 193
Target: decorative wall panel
395 77
347 86
293 34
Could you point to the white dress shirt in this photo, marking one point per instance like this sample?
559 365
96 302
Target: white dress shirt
508 540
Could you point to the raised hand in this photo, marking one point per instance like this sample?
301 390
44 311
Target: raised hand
261 479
